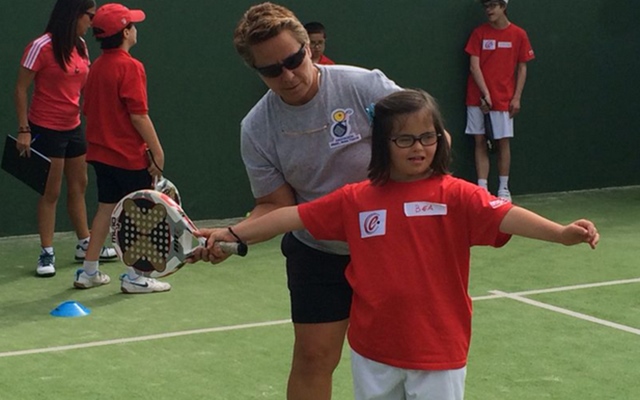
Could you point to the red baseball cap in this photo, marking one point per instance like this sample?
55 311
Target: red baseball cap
113 17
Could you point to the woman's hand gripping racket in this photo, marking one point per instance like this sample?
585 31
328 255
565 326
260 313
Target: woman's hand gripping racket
152 234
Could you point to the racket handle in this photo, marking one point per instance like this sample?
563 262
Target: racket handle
237 248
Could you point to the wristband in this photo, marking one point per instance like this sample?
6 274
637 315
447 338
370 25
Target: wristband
153 160
234 235
24 129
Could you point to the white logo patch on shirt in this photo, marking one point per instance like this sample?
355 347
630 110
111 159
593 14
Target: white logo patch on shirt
504 45
488 44
498 203
341 129
424 208
373 223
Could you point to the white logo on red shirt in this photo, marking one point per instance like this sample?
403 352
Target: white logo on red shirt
504 45
373 223
488 44
498 203
424 208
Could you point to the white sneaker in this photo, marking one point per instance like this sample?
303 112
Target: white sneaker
505 194
142 284
106 254
46 265
86 281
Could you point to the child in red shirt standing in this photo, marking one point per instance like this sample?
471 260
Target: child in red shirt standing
410 229
119 133
499 51
317 42
57 65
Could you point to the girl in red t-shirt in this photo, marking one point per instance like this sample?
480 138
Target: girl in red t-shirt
57 64
409 230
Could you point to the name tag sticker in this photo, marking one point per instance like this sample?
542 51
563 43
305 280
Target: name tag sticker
505 45
424 208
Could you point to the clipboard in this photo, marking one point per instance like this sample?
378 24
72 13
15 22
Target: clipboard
32 171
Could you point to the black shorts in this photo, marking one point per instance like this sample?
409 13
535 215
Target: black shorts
114 183
58 144
318 288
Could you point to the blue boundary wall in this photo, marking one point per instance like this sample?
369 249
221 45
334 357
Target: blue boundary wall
576 130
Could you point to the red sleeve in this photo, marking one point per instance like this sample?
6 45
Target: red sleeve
32 58
473 45
324 217
133 89
526 52
485 213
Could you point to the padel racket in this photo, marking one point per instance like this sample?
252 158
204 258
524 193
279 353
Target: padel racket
163 185
152 234
488 130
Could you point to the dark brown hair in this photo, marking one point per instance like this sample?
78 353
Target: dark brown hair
63 27
263 22
385 121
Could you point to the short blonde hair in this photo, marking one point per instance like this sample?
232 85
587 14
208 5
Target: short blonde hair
263 22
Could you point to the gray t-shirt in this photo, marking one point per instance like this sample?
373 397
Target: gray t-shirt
316 147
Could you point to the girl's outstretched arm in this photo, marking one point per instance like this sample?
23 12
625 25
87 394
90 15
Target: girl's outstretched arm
263 228
522 222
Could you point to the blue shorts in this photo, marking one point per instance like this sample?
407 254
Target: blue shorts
318 288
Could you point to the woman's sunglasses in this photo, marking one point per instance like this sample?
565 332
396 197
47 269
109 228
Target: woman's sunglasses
292 62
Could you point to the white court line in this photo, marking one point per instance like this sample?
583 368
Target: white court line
560 289
568 312
141 338
496 295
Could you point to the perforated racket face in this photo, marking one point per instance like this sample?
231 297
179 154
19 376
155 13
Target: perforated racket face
151 233
144 236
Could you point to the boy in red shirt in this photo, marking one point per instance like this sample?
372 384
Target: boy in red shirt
499 51
119 133
317 42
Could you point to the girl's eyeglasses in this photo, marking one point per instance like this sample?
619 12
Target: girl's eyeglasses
406 141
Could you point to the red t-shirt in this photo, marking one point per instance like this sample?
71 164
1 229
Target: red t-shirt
499 50
55 102
325 60
410 249
115 89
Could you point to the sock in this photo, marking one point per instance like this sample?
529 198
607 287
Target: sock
132 273
90 267
483 183
47 250
504 183
82 241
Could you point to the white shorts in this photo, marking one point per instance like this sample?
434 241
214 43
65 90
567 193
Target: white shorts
375 381
501 121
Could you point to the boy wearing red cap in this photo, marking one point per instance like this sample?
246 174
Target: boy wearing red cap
119 132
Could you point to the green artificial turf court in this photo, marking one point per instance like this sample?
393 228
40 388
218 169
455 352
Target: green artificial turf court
222 332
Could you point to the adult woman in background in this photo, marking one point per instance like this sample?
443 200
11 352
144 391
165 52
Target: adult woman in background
57 63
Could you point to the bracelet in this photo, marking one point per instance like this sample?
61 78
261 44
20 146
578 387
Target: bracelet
153 160
24 129
234 235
